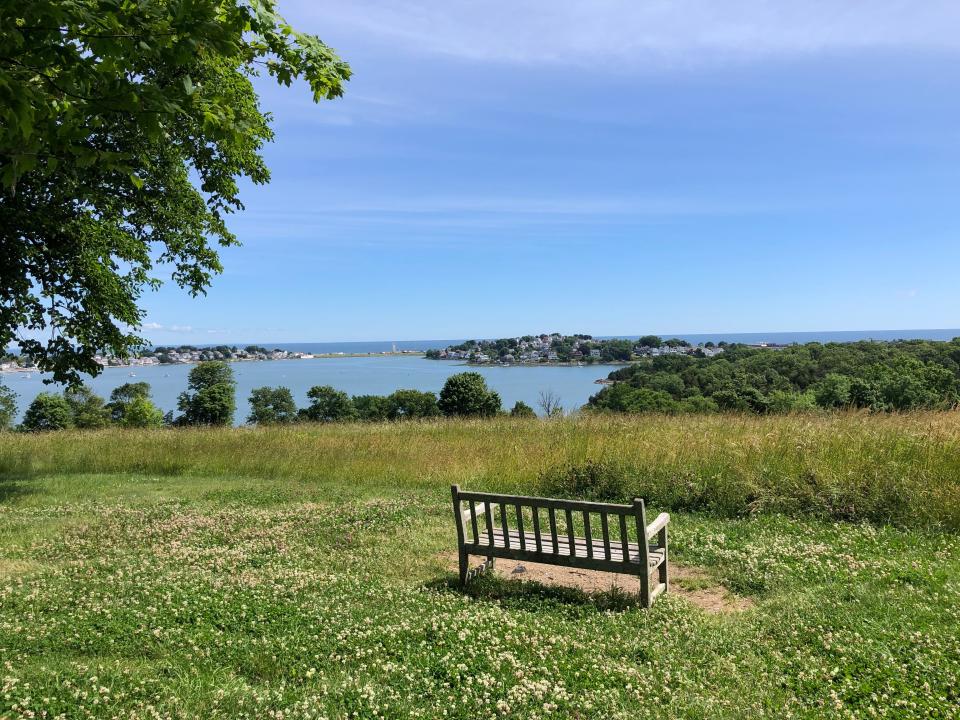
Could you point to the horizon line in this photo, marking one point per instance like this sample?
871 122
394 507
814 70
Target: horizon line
623 335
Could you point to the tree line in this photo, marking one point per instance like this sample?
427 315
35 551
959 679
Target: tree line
210 400
887 376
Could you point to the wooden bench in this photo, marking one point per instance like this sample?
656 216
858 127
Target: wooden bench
562 532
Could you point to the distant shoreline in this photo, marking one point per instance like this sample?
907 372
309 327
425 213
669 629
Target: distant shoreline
313 356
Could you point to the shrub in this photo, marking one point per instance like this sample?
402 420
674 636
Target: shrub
408 404
87 408
272 406
130 406
48 411
123 395
466 394
140 412
590 480
372 408
328 405
833 391
521 410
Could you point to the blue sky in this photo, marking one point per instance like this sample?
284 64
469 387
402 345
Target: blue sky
609 167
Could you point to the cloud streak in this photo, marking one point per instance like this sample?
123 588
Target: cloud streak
159 327
631 32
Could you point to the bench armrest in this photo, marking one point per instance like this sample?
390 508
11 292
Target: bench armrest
657 525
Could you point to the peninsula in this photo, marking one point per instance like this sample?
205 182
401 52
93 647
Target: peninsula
569 349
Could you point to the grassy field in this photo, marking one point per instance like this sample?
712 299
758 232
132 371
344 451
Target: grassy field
306 573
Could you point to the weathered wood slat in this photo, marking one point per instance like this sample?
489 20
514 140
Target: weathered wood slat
489 518
657 525
523 537
536 528
580 547
577 561
605 527
562 546
473 519
462 558
640 519
588 536
613 508
503 524
553 529
624 540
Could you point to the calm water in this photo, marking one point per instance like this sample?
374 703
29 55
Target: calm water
383 375
356 376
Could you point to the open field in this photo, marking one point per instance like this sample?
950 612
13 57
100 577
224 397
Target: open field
305 573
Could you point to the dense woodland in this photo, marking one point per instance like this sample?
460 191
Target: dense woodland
889 376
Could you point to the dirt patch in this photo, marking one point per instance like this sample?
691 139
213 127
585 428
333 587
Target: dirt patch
691 583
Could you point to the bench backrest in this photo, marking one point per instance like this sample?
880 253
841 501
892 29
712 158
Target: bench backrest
548 528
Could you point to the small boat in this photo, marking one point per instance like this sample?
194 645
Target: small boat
132 374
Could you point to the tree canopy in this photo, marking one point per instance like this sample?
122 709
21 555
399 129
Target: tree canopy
130 406
466 394
893 376
272 406
48 411
327 404
210 398
109 110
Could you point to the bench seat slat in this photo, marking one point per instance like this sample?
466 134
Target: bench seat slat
561 545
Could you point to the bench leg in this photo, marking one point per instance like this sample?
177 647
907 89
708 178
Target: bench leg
645 589
645 584
464 567
664 574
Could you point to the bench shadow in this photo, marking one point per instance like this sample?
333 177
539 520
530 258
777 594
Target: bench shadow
14 487
524 593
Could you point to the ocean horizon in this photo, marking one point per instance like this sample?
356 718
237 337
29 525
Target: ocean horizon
779 338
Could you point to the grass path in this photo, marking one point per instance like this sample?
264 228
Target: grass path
140 595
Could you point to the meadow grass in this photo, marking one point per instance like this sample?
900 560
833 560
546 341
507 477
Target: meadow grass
900 469
306 573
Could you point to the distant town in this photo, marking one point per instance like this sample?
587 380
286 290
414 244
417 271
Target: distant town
569 349
192 354
186 354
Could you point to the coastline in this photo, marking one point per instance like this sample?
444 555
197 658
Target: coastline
315 356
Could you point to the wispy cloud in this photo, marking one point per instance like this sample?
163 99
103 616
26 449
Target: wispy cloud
637 31
158 327
536 205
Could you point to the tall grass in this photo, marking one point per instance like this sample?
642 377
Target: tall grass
900 469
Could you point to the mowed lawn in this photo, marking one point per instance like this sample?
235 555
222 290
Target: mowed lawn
306 573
